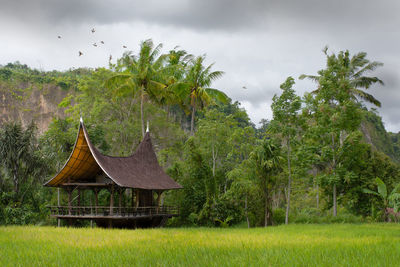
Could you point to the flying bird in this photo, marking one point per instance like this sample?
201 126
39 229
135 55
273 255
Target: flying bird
59 37
93 30
80 53
244 87
101 42
95 45
124 46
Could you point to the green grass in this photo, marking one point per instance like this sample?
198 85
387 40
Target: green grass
293 245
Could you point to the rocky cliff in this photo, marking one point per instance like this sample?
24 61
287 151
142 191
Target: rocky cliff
30 103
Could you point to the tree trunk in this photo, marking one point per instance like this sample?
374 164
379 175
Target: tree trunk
265 209
141 112
58 204
334 201
334 174
168 112
247 212
317 196
16 182
289 182
267 206
192 121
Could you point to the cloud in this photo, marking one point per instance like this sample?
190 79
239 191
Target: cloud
210 15
258 43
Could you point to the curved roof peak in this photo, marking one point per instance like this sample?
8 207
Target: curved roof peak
139 170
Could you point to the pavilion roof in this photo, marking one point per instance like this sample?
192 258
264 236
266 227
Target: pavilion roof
139 170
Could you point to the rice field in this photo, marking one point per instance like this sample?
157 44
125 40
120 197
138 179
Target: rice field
292 245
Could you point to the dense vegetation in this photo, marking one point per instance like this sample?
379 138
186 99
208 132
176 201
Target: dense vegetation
286 245
317 160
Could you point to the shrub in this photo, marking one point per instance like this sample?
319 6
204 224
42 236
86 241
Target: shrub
279 216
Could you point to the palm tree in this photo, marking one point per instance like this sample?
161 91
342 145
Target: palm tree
342 80
353 70
174 74
268 162
142 75
18 155
197 89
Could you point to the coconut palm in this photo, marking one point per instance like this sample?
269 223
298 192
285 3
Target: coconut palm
353 70
196 89
173 74
142 75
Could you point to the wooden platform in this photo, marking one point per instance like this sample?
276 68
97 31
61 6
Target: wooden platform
126 217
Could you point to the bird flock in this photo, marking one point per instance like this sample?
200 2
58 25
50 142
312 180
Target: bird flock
95 44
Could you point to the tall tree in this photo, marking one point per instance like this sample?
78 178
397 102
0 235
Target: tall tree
286 123
197 87
353 71
267 160
17 154
173 76
335 106
142 75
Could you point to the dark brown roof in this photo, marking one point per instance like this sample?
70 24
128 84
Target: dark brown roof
140 170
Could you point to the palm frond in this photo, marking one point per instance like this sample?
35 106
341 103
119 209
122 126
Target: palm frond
218 95
367 97
310 77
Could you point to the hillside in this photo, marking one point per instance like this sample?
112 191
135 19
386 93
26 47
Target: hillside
27 94
30 95
375 134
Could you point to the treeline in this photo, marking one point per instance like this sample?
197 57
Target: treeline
310 163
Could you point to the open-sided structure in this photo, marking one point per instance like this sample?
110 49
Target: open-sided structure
138 178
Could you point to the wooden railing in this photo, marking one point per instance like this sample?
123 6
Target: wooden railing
103 211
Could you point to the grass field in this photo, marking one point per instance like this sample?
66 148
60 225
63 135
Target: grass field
293 245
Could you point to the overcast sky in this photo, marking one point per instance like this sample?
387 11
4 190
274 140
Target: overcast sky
256 43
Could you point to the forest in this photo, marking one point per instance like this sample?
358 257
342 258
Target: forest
324 157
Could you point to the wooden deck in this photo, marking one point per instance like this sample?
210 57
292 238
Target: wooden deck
102 212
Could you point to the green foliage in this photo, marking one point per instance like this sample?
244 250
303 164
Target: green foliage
231 172
22 168
279 216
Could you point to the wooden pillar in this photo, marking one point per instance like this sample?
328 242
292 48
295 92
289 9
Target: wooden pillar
112 200
79 197
120 200
91 210
158 199
137 198
79 201
96 199
69 200
124 193
133 197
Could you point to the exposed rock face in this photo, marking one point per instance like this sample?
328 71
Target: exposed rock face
28 103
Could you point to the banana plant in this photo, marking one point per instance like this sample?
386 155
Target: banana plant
389 200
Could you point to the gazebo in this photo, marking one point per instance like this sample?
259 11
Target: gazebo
138 178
